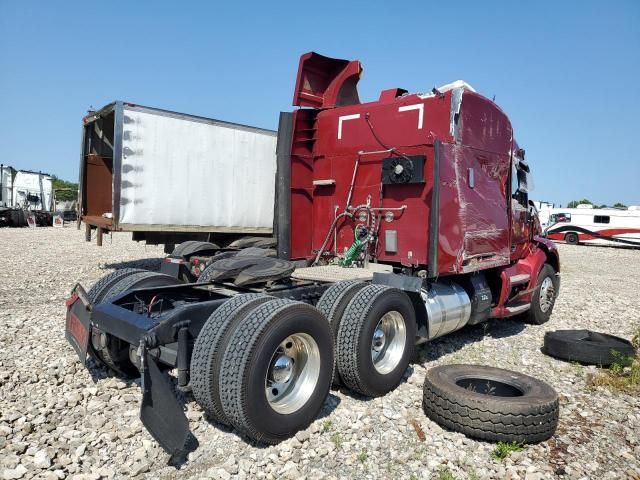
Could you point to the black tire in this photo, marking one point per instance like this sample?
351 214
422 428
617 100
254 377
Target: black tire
571 238
209 348
517 407
536 315
355 334
192 247
101 287
246 363
142 279
246 242
333 303
112 351
586 347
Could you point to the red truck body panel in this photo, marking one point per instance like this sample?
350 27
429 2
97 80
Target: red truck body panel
474 226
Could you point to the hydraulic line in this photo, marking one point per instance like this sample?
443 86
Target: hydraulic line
326 240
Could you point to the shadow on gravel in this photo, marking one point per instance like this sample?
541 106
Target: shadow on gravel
451 343
99 372
330 404
144 263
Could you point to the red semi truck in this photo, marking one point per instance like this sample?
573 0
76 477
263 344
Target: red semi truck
397 221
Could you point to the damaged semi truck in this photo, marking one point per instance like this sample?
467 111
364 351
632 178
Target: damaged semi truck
397 221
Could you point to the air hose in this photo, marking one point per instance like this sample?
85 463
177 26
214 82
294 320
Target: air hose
352 254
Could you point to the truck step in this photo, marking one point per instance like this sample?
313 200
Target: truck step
519 279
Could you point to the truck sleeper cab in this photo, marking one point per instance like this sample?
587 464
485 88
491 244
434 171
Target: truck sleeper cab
396 223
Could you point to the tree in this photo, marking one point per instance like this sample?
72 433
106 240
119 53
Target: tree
66 195
619 205
575 203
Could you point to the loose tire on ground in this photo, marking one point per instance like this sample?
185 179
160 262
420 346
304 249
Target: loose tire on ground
491 403
585 346
571 238
544 297
264 395
209 348
333 303
113 352
370 363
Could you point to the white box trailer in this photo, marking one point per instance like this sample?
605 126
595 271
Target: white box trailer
33 191
170 177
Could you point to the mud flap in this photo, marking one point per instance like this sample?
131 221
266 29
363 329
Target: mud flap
161 413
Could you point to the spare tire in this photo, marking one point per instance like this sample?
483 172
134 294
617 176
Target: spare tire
491 403
585 346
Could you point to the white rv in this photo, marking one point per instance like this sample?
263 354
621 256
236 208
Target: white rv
601 226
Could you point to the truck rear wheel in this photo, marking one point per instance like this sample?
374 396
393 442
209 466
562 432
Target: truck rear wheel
375 340
110 350
97 292
209 348
276 370
544 296
333 303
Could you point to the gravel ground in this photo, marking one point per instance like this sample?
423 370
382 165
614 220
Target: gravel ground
58 420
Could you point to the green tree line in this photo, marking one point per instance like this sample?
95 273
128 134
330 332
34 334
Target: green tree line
67 195
575 203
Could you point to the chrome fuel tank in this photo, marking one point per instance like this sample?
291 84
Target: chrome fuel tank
448 308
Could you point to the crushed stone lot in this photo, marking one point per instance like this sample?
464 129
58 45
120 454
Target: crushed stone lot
60 420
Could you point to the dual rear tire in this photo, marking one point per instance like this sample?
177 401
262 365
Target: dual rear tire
263 366
374 329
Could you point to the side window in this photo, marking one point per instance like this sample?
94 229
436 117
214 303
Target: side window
560 218
601 219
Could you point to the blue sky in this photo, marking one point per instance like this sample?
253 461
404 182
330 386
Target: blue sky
566 73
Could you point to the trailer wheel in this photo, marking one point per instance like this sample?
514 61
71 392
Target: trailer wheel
101 287
375 340
491 403
333 303
209 347
544 297
276 370
110 350
571 238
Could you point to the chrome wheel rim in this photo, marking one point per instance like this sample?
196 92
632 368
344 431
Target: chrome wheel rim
547 292
388 342
293 373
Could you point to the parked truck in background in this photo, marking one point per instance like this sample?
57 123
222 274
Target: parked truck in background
397 221
171 177
25 194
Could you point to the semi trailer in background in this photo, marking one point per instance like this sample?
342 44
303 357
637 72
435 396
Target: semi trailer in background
171 177
24 195
398 221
